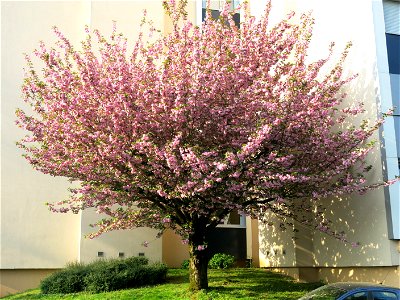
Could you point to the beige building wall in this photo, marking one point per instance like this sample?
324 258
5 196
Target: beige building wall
174 252
255 257
363 218
15 281
276 248
31 236
33 240
115 243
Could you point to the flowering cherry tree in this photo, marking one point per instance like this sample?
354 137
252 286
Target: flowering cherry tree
195 124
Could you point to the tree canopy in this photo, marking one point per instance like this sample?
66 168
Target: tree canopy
195 124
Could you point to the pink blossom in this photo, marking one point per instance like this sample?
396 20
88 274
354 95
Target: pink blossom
220 166
201 247
161 193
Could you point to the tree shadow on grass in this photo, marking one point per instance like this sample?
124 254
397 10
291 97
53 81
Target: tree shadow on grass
252 282
177 277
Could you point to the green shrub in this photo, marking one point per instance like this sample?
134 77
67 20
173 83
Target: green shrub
154 274
221 261
104 276
185 264
121 274
68 280
137 260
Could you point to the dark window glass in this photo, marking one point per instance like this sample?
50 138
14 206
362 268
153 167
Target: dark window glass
215 15
227 240
395 85
384 296
393 50
234 218
397 131
358 296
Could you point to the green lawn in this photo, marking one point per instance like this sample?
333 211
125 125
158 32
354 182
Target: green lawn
224 284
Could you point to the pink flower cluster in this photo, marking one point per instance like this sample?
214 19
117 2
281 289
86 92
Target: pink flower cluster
201 247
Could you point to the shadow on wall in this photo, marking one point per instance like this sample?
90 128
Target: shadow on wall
362 217
383 275
309 255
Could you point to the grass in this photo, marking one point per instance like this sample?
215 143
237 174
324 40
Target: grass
223 284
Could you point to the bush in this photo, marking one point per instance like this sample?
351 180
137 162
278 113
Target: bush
69 280
137 260
104 276
119 274
221 261
157 273
185 264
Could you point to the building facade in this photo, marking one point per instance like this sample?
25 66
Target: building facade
371 219
35 242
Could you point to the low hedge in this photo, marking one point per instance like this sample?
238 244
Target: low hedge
68 280
104 276
221 261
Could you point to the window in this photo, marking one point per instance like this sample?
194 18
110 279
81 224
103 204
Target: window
393 50
395 87
234 219
397 130
384 296
391 11
216 6
358 296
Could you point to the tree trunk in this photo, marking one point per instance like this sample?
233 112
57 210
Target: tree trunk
198 264
198 252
